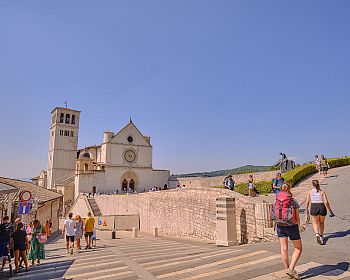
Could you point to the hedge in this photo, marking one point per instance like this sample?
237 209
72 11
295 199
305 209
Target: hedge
292 177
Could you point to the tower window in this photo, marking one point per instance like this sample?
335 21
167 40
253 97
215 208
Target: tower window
66 133
73 119
71 134
61 131
67 118
86 167
61 118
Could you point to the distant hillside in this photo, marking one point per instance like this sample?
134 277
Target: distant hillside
238 170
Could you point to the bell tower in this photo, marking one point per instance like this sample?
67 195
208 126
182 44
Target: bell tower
63 144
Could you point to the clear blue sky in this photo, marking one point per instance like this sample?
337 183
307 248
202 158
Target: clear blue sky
216 84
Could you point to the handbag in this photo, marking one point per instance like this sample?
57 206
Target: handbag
42 238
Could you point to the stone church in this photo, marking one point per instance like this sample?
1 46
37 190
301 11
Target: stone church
121 163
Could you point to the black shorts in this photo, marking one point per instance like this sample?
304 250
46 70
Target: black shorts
70 238
324 168
318 209
88 234
288 231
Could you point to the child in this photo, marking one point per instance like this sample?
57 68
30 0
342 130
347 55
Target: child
94 238
20 245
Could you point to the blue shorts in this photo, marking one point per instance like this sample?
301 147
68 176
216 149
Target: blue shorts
3 248
291 232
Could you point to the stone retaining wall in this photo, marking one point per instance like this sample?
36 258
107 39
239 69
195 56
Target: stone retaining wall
189 212
217 181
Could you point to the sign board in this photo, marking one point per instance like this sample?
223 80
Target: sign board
25 196
24 208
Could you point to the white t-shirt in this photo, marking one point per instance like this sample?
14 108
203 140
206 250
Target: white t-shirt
70 224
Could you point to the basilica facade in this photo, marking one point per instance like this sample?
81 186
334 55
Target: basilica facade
121 163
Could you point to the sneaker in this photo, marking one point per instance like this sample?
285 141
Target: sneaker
287 274
86 247
322 240
293 274
318 239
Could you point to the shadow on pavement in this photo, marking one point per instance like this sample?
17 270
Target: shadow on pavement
333 270
337 235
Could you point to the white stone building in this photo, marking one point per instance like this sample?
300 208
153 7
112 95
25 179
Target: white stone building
121 163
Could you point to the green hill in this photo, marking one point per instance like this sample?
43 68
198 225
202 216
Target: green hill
238 170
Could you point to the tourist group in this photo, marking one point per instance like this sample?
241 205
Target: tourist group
23 242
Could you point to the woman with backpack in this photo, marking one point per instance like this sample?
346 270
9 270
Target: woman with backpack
38 239
287 220
319 204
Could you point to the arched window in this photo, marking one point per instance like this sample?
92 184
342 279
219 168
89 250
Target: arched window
94 189
73 119
61 118
67 118
86 167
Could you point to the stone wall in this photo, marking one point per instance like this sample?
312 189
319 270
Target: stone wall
187 212
217 181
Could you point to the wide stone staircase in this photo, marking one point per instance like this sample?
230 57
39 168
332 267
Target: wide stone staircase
94 207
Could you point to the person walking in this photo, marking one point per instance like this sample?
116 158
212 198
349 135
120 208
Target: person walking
37 243
69 232
318 164
79 226
324 165
20 245
89 229
287 220
319 204
251 188
6 231
277 183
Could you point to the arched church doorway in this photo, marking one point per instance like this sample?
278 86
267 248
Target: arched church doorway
129 181
94 189
125 185
132 185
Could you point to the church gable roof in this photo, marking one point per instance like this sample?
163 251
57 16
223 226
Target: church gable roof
122 137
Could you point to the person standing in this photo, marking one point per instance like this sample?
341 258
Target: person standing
324 165
89 229
319 204
251 188
37 249
230 183
79 226
277 183
69 231
20 245
287 221
6 231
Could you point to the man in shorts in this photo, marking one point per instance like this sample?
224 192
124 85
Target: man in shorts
89 230
69 229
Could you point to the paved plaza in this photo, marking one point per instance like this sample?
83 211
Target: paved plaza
148 257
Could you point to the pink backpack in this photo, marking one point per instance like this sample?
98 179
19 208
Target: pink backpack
283 211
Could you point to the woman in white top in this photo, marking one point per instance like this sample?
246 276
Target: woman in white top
319 204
